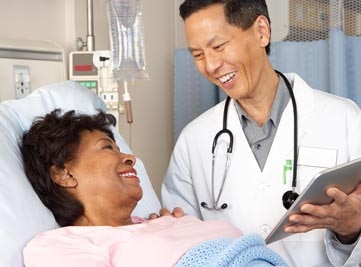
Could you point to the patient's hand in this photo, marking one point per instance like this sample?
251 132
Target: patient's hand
177 212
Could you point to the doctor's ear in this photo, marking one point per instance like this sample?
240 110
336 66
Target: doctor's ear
62 177
263 30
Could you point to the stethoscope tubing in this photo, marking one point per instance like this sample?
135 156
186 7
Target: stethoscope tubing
295 129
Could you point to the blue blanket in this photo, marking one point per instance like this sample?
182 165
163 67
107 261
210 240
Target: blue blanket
249 250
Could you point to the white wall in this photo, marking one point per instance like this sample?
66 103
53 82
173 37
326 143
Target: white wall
62 21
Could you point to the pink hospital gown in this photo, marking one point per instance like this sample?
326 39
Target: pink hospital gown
159 242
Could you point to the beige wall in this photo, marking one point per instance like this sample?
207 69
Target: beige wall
62 21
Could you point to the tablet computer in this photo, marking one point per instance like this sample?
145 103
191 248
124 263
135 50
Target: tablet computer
345 177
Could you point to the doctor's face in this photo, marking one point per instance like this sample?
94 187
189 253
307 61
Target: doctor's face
107 183
226 55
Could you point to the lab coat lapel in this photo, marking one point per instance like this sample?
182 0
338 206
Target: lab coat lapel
283 144
304 96
241 149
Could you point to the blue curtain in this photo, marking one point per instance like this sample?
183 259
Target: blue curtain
193 94
332 65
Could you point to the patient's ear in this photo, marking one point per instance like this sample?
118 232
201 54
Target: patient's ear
63 177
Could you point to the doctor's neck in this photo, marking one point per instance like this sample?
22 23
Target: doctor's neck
259 105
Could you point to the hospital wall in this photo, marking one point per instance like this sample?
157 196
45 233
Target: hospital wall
62 21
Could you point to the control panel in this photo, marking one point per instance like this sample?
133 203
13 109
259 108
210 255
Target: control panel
92 69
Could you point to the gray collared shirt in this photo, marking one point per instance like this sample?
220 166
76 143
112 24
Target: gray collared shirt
260 138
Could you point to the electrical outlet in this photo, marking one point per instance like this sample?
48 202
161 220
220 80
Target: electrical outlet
110 99
21 81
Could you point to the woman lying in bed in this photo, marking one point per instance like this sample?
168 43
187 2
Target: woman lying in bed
77 170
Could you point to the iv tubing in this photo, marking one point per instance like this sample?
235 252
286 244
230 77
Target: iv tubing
127 103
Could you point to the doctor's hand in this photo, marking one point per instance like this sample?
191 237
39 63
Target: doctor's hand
177 212
342 216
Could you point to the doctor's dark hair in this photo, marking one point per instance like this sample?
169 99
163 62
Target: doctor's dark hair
53 140
240 13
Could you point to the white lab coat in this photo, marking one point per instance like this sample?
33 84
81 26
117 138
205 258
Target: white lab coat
328 125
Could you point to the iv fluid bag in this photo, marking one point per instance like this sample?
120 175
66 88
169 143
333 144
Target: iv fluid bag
126 39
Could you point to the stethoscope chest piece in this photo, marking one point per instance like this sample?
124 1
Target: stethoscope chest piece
289 198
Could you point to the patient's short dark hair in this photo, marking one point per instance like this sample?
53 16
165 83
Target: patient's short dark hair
54 140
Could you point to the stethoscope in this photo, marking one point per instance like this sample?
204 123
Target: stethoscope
289 196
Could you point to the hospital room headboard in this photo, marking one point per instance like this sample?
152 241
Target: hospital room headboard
22 215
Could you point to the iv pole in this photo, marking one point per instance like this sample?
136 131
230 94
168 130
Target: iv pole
90 38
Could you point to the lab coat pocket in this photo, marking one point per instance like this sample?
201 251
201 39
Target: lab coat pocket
312 160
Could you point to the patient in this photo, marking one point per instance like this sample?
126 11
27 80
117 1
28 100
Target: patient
78 172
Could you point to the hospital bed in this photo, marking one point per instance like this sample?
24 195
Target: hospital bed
22 215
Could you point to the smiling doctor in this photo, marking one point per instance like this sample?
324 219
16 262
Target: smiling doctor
245 159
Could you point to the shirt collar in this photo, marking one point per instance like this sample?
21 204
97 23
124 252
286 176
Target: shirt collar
279 104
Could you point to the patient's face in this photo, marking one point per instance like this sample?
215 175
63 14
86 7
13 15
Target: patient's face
107 182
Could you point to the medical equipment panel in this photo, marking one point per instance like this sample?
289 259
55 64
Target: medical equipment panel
83 70
92 70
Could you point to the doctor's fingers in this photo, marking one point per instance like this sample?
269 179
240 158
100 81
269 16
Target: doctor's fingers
177 212
153 216
348 208
346 232
342 217
301 223
162 212
342 198
344 208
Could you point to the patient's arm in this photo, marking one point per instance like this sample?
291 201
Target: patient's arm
177 213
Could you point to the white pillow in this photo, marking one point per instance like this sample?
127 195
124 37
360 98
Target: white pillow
22 215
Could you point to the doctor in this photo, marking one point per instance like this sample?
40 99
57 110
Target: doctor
272 121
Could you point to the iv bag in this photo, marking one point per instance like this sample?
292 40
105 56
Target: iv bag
126 39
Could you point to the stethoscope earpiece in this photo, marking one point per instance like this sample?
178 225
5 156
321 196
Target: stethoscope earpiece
289 198
205 205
